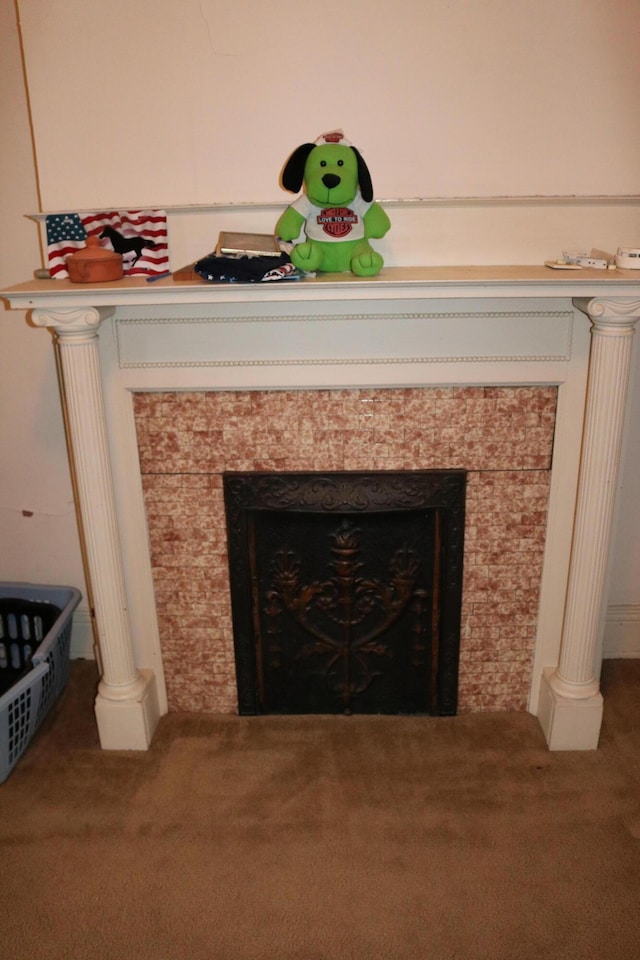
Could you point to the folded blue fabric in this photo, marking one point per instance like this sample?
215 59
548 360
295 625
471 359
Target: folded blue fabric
238 269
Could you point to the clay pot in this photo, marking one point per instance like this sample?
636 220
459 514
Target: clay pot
94 264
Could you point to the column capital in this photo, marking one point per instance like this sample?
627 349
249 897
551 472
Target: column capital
610 311
74 321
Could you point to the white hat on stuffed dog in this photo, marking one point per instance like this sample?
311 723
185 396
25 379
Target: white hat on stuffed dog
334 136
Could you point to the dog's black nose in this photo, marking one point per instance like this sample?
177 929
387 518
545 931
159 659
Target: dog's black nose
331 180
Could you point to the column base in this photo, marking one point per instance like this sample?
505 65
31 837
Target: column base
129 724
569 723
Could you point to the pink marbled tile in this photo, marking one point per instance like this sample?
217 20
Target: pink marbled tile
503 435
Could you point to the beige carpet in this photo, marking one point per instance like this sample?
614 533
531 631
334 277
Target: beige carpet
324 838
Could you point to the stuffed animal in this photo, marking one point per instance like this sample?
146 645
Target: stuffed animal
336 211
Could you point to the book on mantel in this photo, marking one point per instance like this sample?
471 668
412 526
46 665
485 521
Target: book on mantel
231 244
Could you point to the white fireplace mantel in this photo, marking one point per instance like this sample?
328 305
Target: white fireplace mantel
409 326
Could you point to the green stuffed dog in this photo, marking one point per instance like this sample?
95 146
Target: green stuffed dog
337 210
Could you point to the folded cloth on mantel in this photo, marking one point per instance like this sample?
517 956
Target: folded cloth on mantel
246 269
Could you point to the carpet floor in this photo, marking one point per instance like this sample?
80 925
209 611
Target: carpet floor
324 838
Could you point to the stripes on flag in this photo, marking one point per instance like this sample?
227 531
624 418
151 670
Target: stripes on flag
67 233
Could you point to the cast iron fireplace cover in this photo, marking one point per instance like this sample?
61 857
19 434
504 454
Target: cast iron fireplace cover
346 590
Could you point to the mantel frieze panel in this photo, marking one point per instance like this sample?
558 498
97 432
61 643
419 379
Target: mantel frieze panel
346 338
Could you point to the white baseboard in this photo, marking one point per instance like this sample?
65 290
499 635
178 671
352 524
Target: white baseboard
82 646
622 632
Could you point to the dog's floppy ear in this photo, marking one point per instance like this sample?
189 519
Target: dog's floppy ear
364 178
293 171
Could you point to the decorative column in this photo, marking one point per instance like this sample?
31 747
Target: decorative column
571 703
126 704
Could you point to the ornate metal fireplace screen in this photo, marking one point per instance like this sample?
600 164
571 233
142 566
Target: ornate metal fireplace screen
346 590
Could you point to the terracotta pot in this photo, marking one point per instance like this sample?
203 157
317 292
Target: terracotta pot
94 264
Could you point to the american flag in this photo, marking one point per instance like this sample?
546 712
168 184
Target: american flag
68 232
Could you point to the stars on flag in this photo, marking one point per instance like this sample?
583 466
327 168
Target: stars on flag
65 235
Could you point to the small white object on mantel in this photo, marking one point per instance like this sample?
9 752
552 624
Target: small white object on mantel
628 258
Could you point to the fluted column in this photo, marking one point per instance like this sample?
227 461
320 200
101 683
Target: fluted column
121 683
576 677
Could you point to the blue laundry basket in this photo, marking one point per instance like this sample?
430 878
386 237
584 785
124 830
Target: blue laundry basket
35 638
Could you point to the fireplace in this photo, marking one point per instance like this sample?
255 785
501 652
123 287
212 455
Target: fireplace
410 328
346 591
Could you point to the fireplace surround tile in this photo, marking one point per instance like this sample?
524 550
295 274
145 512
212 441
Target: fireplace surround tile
502 435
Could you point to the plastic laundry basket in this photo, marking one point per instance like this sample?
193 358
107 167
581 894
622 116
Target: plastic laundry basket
35 638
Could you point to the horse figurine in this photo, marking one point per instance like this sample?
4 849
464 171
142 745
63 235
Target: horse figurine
125 245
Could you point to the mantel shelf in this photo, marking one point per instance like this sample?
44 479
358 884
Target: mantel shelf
443 282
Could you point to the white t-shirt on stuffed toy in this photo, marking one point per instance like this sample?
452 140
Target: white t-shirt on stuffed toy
333 223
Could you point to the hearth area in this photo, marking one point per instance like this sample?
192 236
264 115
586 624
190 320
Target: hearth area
532 644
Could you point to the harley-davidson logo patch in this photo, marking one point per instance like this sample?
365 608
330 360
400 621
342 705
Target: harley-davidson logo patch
337 222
